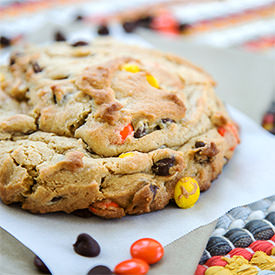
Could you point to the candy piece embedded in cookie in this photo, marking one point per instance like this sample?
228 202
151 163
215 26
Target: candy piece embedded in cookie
107 127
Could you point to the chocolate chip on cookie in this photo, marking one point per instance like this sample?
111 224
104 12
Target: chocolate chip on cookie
161 167
36 68
79 44
199 144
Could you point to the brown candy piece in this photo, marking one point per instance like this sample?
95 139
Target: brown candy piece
86 246
41 266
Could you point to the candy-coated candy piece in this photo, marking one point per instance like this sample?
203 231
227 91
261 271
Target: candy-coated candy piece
125 155
230 127
221 131
147 249
132 267
152 81
200 270
104 205
131 68
187 192
273 239
126 131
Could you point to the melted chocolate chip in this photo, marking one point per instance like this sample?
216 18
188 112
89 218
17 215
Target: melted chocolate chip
166 120
157 127
36 68
100 270
54 99
12 61
199 144
129 26
83 213
140 132
41 266
103 30
79 44
59 36
161 167
5 41
86 246
56 199
154 190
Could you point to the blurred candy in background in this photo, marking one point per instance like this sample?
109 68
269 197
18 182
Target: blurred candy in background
247 25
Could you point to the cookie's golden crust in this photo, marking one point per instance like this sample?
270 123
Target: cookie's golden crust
67 113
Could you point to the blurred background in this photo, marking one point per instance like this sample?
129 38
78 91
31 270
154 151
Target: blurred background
234 40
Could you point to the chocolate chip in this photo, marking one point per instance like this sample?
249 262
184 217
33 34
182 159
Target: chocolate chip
83 213
161 167
12 61
56 199
41 266
86 246
154 190
79 44
129 26
140 132
183 27
100 270
79 18
199 144
145 22
166 120
103 30
36 68
5 41
59 36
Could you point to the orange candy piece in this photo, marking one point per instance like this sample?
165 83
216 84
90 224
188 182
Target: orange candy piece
126 131
132 267
147 249
230 127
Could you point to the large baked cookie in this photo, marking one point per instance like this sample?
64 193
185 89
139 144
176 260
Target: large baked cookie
106 126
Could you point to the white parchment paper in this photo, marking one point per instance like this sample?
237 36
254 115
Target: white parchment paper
249 176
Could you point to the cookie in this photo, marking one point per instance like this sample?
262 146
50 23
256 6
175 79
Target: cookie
107 127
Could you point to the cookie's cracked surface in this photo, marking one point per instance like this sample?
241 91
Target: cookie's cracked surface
106 126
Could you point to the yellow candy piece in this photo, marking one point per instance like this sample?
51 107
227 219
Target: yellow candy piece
126 155
187 192
131 68
152 81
